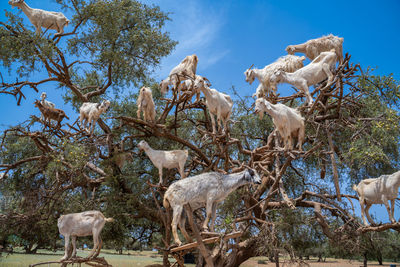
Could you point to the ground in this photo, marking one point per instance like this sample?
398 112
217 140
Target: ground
254 262
139 259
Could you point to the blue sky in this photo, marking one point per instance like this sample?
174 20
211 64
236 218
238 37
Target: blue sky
229 36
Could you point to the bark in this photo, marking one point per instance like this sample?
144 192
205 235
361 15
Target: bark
276 256
379 257
245 251
365 260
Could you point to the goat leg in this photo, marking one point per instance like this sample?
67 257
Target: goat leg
98 248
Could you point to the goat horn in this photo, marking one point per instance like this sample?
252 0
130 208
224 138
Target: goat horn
207 80
251 66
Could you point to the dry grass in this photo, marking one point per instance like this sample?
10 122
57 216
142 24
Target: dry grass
134 258
143 258
253 262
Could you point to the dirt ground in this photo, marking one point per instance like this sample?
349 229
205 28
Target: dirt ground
313 263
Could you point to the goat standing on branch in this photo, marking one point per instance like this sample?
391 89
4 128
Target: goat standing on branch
165 159
82 224
287 63
314 47
146 105
378 191
90 112
51 113
45 103
218 104
187 86
287 121
42 18
187 68
209 188
315 72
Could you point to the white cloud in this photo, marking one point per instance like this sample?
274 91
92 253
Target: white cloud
213 58
196 27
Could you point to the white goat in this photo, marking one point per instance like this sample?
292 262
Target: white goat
287 121
287 63
186 68
207 189
41 18
165 159
164 85
218 104
45 103
188 86
90 112
315 72
146 105
378 191
82 224
312 48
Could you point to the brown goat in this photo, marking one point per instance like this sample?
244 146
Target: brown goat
51 113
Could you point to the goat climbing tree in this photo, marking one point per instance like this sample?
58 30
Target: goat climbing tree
352 132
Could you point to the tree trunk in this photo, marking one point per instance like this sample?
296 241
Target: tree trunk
319 258
245 251
276 256
365 259
271 258
379 257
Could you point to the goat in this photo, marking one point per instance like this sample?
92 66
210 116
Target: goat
188 86
206 189
82 224
287 121
312 48
45 103
90 112
164 85
146 105
218 104
315 72
51 113
42 18
185 69
165 159
287 63
378 191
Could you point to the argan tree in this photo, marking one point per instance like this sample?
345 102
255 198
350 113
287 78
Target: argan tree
109 51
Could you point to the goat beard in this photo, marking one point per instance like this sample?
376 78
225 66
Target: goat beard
261 114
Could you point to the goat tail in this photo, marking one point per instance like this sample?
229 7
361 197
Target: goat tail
109 219
355 187
166 203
